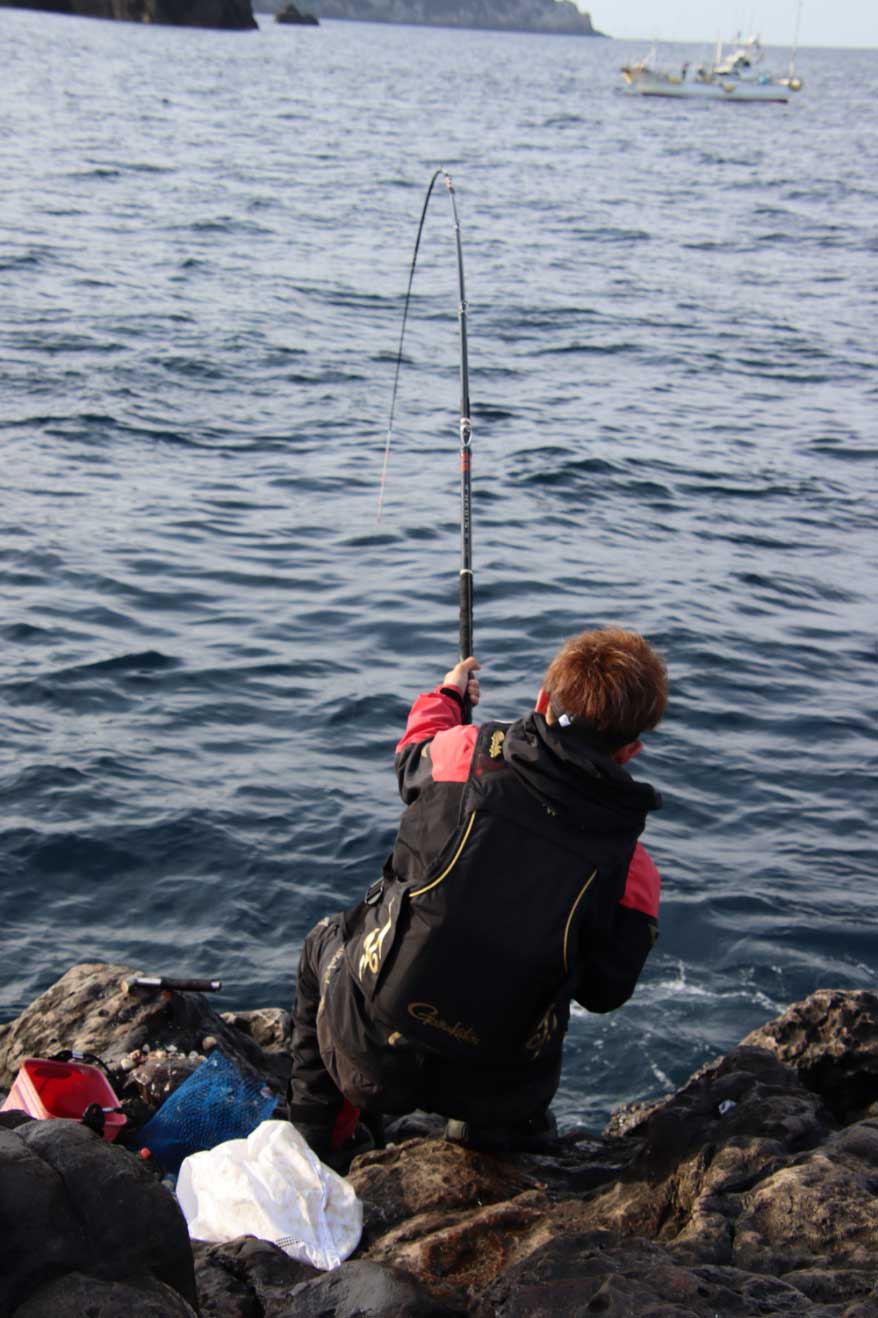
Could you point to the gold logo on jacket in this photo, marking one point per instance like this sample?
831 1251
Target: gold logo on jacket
543 1033
427 1014
373 945
495 749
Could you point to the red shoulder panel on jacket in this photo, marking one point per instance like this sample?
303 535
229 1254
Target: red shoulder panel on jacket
451 753
644 883
432 712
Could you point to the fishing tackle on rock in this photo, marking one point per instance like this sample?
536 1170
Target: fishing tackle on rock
466 553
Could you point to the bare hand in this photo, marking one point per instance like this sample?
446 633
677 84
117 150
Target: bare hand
463 676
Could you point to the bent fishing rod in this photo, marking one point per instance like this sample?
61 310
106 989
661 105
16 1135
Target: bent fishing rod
466 548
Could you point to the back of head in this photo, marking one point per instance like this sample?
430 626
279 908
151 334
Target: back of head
609 681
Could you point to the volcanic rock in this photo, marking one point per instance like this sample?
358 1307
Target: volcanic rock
832 1041
246 1278
78 1217
751 1190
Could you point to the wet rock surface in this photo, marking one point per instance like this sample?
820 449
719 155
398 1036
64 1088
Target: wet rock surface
365 1288
752 1190
246 1278
831 1041
79 1217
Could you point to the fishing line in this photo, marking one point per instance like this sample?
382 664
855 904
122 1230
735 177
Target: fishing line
466 569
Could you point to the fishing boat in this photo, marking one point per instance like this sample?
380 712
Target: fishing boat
735 76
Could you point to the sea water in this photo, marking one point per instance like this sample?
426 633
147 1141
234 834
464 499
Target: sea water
209 644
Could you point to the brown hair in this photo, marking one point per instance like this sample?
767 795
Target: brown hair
610 679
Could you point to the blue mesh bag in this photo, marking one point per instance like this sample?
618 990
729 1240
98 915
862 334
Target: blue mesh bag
216 1103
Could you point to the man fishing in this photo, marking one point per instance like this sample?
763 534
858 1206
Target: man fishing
516 885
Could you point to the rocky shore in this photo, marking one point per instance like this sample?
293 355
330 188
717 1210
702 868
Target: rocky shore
751 1190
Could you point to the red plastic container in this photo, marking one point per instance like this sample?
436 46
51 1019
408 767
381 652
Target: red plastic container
63 1089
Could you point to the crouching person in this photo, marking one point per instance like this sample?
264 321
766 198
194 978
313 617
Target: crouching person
516 885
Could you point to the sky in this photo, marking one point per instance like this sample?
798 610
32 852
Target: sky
841 23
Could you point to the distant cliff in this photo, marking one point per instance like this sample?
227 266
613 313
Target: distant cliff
494 15
235 14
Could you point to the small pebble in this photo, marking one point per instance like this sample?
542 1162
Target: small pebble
207 1043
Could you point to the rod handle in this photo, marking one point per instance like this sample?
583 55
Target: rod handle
466 632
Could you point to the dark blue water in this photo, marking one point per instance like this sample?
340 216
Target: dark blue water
209 646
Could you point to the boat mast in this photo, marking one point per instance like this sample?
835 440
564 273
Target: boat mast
795 45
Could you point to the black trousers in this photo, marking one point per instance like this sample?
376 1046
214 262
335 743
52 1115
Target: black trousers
313 1095
339 1052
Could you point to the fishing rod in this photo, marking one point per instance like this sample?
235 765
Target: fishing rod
466 545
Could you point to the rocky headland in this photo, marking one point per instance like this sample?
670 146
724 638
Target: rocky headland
235 15
751 1190
558 16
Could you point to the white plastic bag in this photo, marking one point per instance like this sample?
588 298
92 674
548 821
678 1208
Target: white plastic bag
273 1186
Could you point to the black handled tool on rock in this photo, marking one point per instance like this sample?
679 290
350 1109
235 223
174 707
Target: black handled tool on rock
168 984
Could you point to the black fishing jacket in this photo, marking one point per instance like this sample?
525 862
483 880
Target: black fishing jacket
510 891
